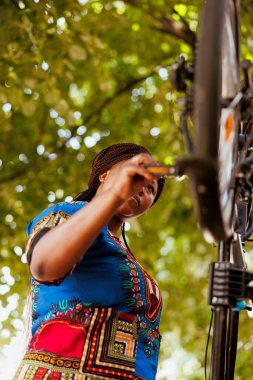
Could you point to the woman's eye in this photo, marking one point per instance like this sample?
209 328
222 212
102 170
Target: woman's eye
151 188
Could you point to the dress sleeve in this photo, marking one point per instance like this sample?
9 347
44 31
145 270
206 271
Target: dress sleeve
44 222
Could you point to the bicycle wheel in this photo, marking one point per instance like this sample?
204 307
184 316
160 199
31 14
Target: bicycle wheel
216 117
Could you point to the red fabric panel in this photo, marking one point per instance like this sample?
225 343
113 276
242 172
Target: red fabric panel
61 338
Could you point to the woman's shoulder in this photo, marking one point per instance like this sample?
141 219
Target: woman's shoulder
64 209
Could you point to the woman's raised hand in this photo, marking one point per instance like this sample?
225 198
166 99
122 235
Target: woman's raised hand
127 178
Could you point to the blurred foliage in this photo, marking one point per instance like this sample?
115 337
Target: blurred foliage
77 76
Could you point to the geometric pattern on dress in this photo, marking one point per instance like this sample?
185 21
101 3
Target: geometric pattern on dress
36 371
154 299
111 344
142 296
139 284
51 220
48 359
105 348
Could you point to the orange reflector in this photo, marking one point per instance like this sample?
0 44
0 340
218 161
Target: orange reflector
229 126
160 169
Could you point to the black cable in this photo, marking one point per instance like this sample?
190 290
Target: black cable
249 231
207 344
185 131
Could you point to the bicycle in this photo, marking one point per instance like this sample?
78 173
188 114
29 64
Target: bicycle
220 167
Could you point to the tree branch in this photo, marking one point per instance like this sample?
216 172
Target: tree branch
94 113
12 176
191 35
106 102
166 24
60 149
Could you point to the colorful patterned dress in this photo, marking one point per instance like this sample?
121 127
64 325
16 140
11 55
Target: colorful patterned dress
99 322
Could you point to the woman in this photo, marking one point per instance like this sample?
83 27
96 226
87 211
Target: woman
95 311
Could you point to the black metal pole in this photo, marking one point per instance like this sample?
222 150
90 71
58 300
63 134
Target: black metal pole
218 357
232 337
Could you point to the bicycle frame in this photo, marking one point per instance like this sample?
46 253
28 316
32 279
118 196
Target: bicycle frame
229 281
226 320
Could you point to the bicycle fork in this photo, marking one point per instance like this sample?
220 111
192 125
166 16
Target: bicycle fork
224 343
227 284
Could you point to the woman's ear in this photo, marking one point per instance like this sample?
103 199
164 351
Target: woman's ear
103 176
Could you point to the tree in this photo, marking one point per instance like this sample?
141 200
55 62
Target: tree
76 77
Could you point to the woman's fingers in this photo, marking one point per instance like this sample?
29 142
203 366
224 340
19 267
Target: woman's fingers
136 170
143 158
139 160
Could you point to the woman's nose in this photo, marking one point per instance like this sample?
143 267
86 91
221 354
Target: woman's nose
141 192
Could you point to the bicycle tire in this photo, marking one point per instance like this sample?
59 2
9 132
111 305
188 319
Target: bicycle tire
217 81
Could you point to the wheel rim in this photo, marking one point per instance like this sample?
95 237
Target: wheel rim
229 119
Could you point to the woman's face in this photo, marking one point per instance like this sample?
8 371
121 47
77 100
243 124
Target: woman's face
123 173
140 202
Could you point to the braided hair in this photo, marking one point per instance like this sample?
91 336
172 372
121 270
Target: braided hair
105 160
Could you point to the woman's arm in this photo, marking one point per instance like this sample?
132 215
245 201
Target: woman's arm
58 250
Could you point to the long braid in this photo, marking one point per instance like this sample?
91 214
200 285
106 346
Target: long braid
123 233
